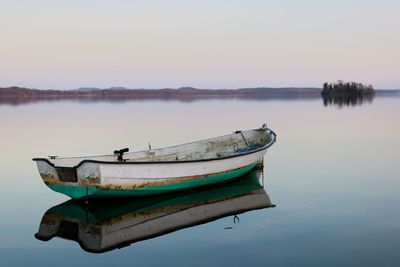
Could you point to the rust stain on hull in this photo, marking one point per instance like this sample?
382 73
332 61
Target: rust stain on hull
159 183
52 180
49 179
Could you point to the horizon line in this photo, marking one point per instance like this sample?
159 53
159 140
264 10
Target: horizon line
176 88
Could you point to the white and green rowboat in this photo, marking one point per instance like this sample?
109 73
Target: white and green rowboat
156 171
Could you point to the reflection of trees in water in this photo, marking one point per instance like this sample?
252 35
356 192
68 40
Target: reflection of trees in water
347 100
347 94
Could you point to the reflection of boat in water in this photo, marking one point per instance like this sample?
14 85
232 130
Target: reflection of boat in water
156 171
105 224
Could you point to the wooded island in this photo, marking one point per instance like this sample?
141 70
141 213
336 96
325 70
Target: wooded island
347 93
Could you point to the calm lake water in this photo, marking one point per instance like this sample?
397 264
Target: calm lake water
333 175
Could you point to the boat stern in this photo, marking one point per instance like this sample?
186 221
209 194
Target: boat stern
72 181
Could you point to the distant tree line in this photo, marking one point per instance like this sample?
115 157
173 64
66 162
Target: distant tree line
347 93
17 95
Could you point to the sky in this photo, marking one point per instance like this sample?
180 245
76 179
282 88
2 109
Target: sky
205 44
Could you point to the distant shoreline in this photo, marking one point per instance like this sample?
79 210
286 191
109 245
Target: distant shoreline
19 95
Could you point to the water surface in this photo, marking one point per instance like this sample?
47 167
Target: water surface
333 176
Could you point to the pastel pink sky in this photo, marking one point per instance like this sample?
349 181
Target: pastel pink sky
205 44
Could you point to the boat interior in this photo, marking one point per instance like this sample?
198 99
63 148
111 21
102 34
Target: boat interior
223 146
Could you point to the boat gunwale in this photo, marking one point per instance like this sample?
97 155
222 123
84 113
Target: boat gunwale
170 161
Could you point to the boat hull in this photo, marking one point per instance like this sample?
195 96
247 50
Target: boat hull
78 191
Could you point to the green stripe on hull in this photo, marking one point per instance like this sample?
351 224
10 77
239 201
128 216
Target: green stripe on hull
74 191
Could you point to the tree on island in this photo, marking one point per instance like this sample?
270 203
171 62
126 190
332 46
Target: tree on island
349 93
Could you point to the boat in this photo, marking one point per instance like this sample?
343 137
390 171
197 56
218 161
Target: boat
156 171
103 225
